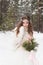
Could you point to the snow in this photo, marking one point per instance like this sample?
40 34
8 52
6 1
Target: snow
6 47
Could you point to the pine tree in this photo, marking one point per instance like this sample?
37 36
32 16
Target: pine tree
9 20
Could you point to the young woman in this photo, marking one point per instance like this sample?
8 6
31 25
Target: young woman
24 31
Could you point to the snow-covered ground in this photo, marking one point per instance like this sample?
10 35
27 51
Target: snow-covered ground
6 47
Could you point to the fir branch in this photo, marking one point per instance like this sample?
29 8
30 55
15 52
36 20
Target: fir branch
30 45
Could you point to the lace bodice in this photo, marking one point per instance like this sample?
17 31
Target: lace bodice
22 36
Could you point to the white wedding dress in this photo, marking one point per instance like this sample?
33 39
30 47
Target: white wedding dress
21 56
12 52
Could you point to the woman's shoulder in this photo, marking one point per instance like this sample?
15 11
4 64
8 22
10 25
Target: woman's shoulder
21 29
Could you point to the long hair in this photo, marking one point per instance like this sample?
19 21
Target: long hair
30 28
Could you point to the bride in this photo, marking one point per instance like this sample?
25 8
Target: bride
23 31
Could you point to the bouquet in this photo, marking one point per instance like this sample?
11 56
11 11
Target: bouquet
30 45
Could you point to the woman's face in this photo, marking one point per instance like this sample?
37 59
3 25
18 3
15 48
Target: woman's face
25 23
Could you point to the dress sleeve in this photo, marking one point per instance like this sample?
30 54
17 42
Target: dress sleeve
20 36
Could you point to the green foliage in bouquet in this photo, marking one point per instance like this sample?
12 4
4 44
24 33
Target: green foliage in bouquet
30 45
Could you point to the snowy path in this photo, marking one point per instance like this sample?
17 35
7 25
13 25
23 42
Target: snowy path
7 52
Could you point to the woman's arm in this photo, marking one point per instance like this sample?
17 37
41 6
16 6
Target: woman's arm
20 36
